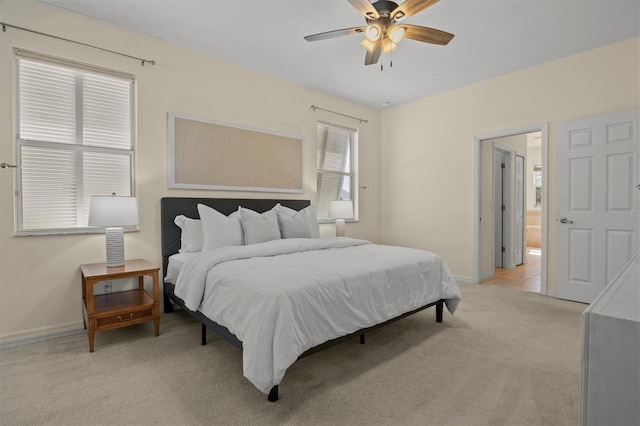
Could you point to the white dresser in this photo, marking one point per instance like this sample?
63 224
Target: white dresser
611 352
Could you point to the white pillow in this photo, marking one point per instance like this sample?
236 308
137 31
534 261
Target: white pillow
259 228
310 214
191 238
296 226
218 229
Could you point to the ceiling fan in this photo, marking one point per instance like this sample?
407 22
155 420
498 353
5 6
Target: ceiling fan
384 31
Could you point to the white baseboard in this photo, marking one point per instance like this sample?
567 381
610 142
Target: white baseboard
461 278
42 333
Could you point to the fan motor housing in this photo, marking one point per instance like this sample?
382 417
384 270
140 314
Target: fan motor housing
385 8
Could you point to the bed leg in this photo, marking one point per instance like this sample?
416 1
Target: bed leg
168 306
273 394
204 334
362 339
439 307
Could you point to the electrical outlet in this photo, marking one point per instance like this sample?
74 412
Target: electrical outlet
107 287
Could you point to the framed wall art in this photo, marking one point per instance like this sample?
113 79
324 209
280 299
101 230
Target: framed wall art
207 154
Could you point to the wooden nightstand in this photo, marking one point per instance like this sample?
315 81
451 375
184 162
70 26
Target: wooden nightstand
122 308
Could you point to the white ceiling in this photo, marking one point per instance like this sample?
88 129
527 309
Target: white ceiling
492 38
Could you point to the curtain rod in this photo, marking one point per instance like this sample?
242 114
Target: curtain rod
142 60
362 120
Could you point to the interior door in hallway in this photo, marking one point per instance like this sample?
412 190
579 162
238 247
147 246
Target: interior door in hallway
598 205
518 248
502 210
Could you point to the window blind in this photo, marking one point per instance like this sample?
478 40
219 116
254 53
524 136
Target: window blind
74 140
334 166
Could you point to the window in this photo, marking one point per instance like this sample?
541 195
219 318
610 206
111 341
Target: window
337 166
74 140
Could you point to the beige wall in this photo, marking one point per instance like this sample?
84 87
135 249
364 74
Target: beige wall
39 276
428 145
416 160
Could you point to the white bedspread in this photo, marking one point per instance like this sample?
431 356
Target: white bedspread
283 297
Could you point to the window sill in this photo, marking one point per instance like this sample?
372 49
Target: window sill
73 231
333 221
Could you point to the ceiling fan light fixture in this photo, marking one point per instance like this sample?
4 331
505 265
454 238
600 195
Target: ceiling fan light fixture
373 32
388 45
383 30
368 44
395 33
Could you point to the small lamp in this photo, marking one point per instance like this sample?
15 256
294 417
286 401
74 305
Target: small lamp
112 213
340 210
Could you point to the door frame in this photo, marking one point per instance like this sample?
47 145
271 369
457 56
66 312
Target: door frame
543 128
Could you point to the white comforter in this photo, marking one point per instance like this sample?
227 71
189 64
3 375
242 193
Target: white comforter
283 297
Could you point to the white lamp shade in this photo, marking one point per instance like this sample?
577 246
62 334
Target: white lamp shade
341 209
113 211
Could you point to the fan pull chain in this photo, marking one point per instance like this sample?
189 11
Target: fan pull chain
382 62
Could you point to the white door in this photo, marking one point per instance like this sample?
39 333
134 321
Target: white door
502 197
519 212
498 171
598 205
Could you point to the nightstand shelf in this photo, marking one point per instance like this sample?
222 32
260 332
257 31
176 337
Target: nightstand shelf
123 308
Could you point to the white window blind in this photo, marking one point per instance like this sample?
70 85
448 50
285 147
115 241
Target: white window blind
336 174
74 140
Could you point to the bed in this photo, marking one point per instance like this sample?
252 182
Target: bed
281 299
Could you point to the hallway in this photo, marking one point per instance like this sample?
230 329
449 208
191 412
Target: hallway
525 277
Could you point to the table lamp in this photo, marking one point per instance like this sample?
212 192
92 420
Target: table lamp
340 210
112 213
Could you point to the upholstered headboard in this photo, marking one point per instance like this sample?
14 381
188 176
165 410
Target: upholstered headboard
170 207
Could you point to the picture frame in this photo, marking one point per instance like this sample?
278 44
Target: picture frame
214 155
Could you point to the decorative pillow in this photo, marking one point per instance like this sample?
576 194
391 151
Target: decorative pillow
191 238
309 212
259 228
219 230
296 226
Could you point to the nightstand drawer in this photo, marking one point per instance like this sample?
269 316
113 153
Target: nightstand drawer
124 318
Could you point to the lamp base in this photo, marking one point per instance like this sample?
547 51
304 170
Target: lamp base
340 228
115 247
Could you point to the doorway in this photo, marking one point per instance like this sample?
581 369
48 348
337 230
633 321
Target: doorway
522 262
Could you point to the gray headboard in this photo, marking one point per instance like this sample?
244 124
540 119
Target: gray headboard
170 207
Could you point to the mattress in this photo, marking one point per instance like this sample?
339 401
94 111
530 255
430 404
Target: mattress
176 262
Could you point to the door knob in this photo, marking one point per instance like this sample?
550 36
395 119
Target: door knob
565 220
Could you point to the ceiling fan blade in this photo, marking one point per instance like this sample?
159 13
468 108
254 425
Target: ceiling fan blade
334 34
365 8
411 7
373 56
426 34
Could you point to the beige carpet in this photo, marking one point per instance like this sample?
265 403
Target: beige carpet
506 357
